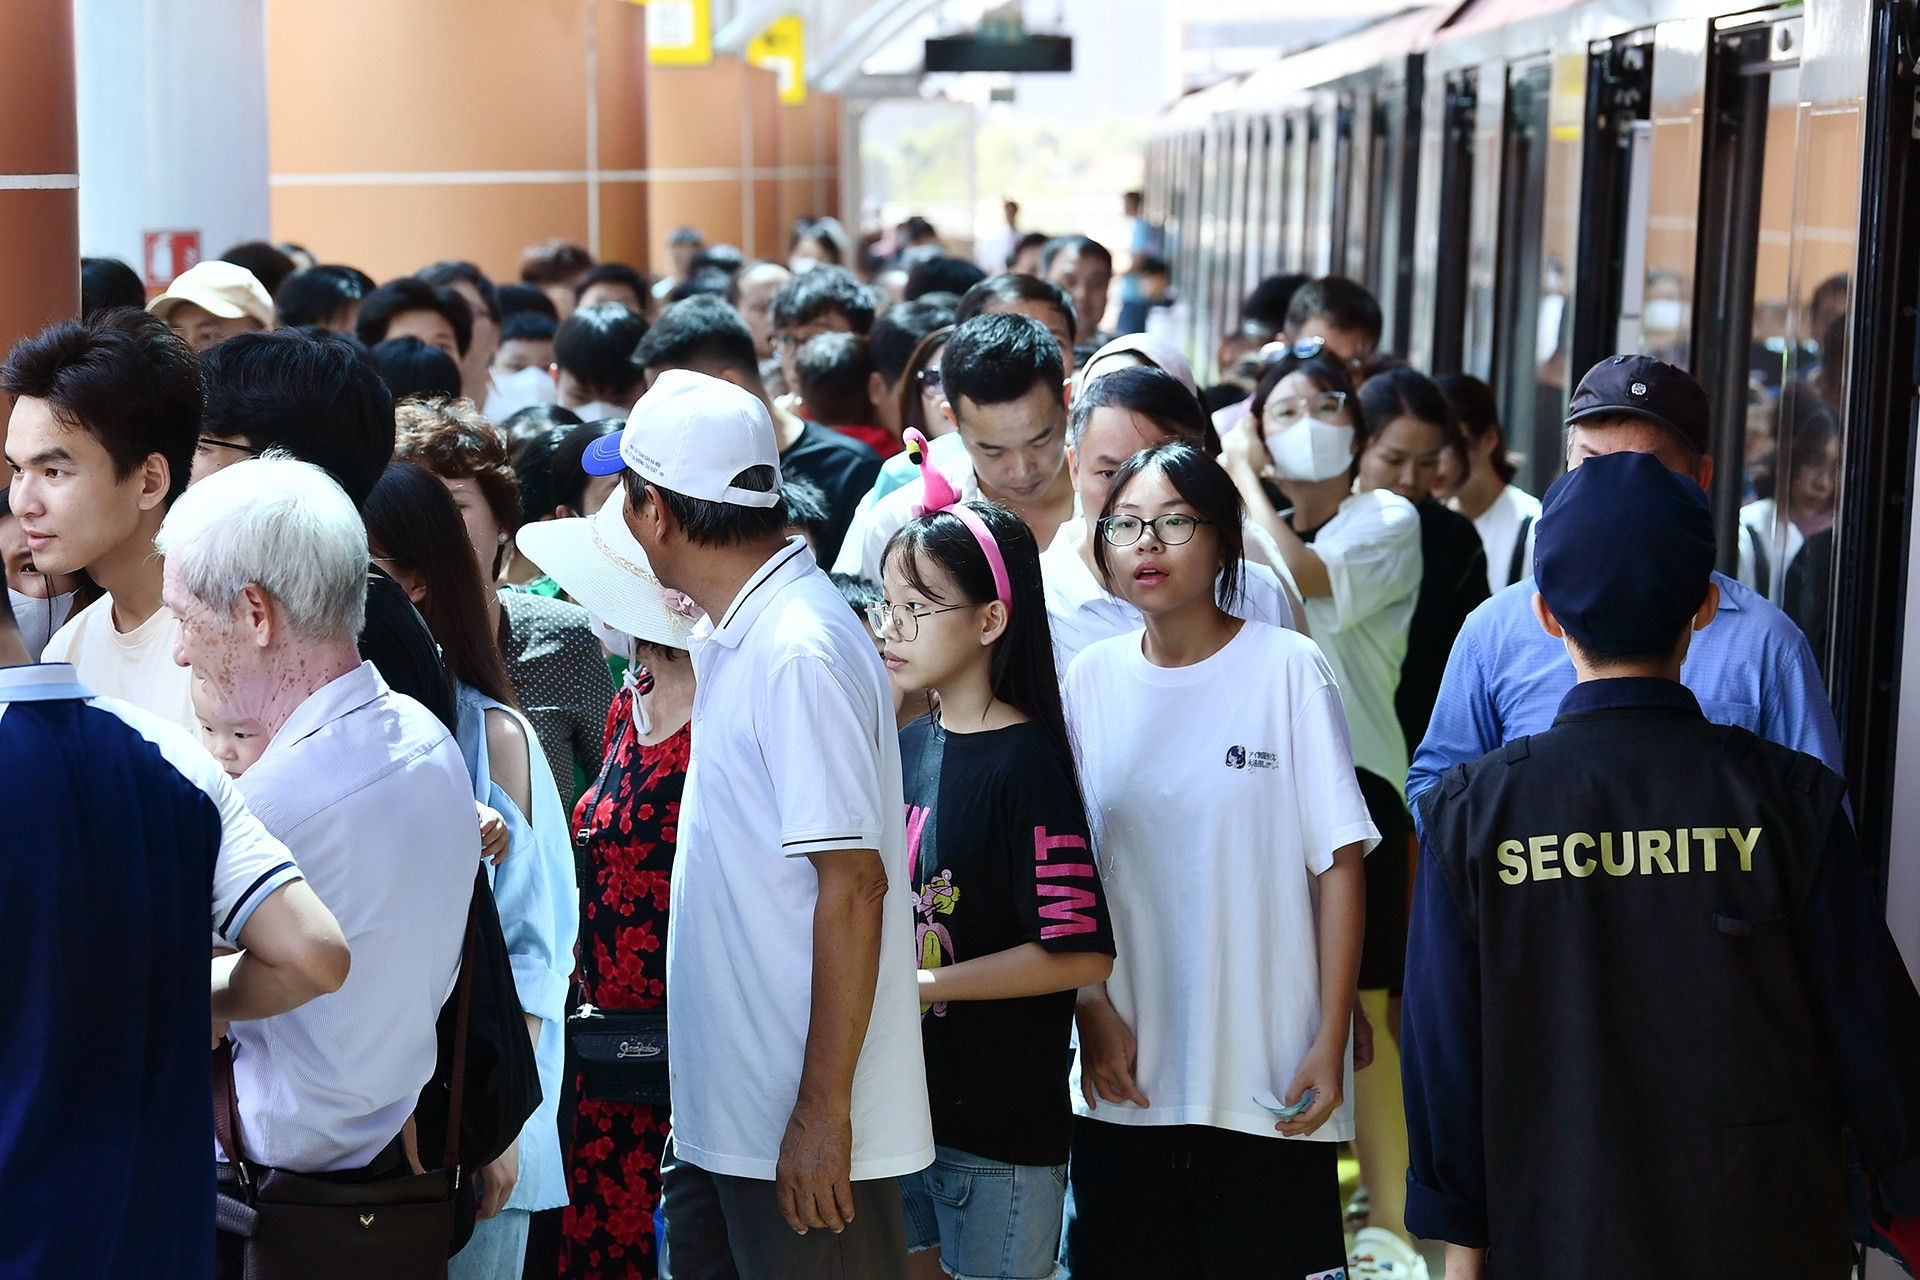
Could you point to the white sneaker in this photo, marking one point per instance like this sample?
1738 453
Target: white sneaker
1378 1254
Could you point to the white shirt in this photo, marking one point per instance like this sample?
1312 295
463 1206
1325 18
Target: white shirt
1759 524
872 526
794 753
1080 611
1216 792
369 791
1371 549
134 666
251 864
1499 527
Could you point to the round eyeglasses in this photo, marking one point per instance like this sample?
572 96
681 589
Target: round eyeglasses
902 620
1171 530
1322 406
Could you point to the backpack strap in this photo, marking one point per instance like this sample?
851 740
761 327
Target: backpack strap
450 1158
226 1113
1517 566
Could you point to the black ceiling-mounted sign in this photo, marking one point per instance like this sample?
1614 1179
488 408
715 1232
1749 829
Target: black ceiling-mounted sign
969 53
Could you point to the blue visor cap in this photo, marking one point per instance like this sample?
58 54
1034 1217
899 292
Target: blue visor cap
602 457
1623 553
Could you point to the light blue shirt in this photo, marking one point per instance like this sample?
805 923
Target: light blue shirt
539 903
1506 677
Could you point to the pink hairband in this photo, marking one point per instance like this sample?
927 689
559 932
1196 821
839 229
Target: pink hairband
938 494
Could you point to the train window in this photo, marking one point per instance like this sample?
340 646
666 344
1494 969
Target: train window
1529 310
1456 223
1772 300
1616 170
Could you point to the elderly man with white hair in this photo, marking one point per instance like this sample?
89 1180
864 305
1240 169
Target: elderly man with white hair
266 570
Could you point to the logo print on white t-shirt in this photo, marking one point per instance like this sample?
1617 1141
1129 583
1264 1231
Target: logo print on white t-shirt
1236 757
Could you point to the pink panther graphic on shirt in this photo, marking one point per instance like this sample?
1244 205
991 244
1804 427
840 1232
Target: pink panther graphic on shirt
932 943
1066 914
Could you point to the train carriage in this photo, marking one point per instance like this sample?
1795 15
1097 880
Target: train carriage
1530 185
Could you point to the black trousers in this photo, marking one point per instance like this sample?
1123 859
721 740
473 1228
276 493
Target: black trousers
1199 1203
1383 954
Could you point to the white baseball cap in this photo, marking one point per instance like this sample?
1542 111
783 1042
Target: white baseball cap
693 434
597 561
224 289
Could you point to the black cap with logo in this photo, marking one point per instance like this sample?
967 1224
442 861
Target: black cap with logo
1653 390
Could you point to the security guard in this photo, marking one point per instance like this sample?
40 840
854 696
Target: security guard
1647 982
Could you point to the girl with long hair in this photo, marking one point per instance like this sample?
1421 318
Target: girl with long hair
1230 830
416 534
1011 920
1501 510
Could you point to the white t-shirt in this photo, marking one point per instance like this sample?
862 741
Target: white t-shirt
1759 523
1216 793
134 666
1080 611
794 753
1499 527
1371 549
873 526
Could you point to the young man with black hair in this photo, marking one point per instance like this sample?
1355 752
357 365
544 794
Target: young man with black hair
1004 386
109 282
613 282
483 306
1341 313
1084 268
942 274
789 1170
410 307
554 268
1024 258
707 336
891 342
319 399
101 440
594 351
836 377
825 300
1026 295
325 296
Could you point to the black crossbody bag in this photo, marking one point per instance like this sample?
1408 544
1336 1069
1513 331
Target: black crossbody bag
621 1053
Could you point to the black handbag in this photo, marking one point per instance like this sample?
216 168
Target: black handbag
622 1054
297 1227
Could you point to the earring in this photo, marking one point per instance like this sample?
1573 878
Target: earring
503 539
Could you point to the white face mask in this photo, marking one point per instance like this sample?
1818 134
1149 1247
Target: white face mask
1662 315
39 618
1311 450
800 266
600 409
509 393
618 643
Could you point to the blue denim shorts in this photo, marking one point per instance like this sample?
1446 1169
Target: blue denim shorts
991 1221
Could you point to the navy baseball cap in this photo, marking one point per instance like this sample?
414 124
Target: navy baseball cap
1623 552
1642 387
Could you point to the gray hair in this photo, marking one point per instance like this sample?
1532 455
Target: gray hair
282 525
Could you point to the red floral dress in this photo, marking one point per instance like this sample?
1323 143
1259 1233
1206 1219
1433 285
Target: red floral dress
613 1157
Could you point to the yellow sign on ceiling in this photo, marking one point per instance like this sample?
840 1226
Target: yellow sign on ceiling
781 49
679 33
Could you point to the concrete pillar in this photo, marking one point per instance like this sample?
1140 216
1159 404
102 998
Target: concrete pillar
39 182
173 130
407 132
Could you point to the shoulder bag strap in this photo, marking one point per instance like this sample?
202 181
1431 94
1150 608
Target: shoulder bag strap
450 1158
1516 570
226 1112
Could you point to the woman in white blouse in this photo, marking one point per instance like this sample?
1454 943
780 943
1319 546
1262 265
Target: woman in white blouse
1502 511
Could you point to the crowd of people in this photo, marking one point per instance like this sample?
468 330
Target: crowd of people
778 770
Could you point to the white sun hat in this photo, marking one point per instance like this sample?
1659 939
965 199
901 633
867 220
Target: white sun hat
597 562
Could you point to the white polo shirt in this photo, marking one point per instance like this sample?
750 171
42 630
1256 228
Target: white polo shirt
370 793
1081 612
794 753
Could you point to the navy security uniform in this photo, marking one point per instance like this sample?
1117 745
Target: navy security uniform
1648 983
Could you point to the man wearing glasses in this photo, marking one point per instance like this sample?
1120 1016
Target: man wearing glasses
104 421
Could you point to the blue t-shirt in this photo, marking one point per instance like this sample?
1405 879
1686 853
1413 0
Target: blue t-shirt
110 857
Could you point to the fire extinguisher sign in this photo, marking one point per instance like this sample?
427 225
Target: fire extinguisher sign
168 253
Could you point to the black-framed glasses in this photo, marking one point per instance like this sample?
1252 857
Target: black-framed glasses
1325 406
902 619
215 442
1174 529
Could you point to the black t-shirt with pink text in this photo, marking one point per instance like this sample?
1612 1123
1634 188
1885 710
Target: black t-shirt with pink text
998 855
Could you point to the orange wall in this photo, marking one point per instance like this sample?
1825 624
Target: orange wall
39 227
496 89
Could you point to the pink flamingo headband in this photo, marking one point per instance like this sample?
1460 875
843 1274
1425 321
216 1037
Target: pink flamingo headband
938 494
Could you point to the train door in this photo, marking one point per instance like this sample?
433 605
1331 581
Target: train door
1341 186
1261 131
1274 233
1356 175
1617 167
1456 223
1295 256
1527 312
